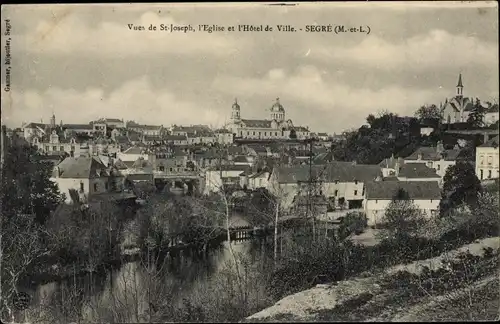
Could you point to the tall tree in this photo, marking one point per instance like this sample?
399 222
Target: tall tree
430 112
461 186
26 185
476 116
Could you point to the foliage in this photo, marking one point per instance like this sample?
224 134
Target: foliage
431 112
260 207
402 217
337 261
87 237
386 135
293 134
461 186
27 199
26 185
353 222
476 116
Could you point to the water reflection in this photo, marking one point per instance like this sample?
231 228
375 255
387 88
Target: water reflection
137 289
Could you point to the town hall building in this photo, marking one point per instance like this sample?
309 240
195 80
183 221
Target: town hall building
276 127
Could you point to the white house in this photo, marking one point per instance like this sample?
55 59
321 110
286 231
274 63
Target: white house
224 136
227 174
379 194
487 156
84 177
435 158
342 183
258 180
491 115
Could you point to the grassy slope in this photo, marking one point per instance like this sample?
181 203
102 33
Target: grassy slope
364 300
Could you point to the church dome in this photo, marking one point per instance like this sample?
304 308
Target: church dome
235 104
277 107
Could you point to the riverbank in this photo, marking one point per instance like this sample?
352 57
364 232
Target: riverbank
334 302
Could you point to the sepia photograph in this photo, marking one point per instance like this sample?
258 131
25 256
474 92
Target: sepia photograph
250 162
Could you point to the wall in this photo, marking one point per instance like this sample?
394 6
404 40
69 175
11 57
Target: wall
347 190
213 181
375 209
486 161
66 184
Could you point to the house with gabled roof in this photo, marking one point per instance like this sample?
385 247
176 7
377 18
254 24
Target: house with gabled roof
341 182
426 195
85 177
437 158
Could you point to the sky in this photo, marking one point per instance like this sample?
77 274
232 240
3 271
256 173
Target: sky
82 62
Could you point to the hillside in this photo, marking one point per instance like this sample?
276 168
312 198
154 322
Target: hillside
370 298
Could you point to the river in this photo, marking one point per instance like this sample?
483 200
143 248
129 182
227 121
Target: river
129 293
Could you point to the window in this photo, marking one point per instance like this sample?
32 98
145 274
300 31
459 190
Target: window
61 148
253 133
171 169
54 148
95 187
490 160
72 148
489 174
438 167
355 182
481 174
355 192
161 168
81 186
481 159
265 133
47 148
106 186
336 193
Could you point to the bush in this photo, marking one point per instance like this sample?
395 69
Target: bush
353 222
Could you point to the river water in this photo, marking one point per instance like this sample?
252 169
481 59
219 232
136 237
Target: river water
128 294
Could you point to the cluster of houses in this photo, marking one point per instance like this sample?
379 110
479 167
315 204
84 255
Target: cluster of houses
106 156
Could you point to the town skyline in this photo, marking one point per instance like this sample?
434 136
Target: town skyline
69 60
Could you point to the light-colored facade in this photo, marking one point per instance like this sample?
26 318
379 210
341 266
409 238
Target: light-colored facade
425 196
277 127
230 177
492 115
132 154
487 156
434 158
258 180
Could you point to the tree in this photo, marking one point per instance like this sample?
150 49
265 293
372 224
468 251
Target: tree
27 199
402 218
461 186
26 185
476 116
431 112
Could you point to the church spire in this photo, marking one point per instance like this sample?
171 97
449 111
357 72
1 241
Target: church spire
460 86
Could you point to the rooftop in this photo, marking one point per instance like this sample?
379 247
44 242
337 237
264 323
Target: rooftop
386 190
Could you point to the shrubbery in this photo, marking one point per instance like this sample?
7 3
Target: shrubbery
352 223
337 261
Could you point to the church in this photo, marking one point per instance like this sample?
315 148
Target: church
276 127
457 109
